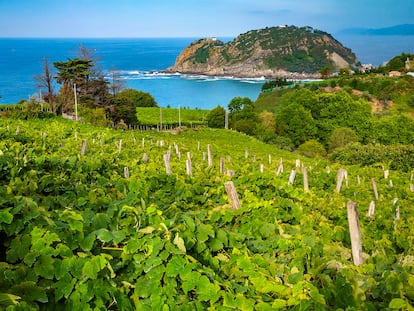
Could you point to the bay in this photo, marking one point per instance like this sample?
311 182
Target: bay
140 62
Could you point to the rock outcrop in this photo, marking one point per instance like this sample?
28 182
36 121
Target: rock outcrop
284 51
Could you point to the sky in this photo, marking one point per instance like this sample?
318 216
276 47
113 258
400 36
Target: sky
191 18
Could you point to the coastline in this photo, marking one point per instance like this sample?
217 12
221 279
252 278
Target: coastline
258 75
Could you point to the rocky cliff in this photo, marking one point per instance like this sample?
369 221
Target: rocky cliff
284 51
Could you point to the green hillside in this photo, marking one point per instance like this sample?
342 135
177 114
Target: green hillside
104 219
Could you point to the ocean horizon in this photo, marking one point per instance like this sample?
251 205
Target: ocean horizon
140 62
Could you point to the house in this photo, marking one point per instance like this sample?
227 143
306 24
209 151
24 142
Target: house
394 73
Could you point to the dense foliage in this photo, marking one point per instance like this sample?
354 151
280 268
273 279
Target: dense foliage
77 232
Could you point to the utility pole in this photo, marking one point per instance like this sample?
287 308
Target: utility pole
76 102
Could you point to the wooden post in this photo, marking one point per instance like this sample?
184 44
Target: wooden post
83 148
355 233
371 209
280 168
305 179
226 120
261 168
222 166
76 101
120 146
143 142
126 172
160 119
340 179
209 157
232 194
145 158
386 174
374 187
270 159
17 130
292 177
297 163
246 153
167 164
189 167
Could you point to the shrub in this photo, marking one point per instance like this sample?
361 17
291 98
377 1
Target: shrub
397 157
312 148
216 117
341 137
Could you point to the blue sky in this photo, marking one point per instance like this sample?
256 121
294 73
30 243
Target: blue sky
191 18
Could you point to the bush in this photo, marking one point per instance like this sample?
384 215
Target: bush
397 157
95 116
216 117
341 137
312 149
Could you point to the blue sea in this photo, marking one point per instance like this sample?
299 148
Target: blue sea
140 62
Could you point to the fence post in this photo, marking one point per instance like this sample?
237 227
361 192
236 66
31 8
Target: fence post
232 194
355 233
83 148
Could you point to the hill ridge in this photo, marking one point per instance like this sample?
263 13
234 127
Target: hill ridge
282 51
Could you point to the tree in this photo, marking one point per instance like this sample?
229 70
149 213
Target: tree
216 117
312 148
267 119
295 122
124 105
325 72
117 84
341 110
46 83
73 71
341 137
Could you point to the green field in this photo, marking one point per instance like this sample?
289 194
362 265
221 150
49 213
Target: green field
107 228
153 116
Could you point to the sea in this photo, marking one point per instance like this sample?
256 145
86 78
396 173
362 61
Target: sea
140 63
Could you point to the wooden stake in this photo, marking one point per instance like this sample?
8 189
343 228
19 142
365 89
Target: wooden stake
221 165
339 180
355 233
83 148
261 168
292 177
167 164
371 209
120 146
209 157
232 194
126 172
246 153
189 167
374 187
305 179
145 158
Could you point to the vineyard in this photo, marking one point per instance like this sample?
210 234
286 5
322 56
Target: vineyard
100 219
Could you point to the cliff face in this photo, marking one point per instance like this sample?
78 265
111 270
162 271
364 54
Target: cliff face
289 52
